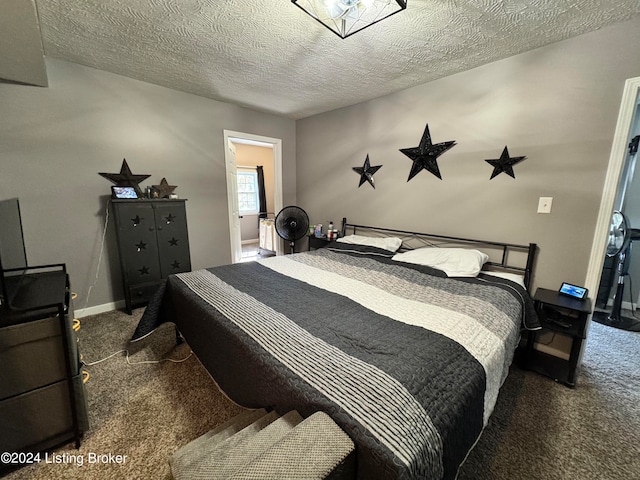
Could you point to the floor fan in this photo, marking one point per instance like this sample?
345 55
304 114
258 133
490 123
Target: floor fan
292 223
619 246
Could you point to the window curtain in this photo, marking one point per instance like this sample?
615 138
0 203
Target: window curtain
262 196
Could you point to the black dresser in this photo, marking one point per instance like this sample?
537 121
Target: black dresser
153 243
42 396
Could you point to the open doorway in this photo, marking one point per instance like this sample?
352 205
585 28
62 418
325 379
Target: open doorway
607 275
253 161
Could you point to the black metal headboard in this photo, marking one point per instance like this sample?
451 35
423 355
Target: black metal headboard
499 252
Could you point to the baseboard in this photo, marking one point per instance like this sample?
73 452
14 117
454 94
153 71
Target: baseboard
244 242
105 307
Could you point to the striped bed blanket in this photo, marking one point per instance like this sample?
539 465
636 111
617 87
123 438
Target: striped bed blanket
406 360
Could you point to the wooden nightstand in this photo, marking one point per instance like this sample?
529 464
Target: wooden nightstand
565 316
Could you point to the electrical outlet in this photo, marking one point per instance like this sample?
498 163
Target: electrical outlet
544 204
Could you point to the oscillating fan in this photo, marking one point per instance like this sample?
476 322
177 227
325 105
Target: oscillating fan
619 246
292 224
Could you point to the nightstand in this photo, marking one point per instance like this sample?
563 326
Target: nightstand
317 242
565 316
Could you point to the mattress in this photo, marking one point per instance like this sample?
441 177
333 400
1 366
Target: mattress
407 361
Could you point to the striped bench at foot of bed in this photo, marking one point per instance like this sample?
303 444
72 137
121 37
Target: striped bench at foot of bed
264 445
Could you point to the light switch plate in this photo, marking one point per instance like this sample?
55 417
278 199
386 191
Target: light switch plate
544 204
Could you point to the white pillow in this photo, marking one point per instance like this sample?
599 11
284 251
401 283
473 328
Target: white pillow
387 243
455 262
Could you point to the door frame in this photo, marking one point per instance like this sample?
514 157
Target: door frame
276 144
617 159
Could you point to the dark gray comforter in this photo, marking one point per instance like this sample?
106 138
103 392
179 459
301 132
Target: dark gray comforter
407 361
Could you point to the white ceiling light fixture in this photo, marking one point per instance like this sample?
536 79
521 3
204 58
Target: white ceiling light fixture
346 17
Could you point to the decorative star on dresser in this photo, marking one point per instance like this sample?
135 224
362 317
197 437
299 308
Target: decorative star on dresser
125 178
504 164
144 270
173 242
164 189
175 265
425 156
141 245
366 172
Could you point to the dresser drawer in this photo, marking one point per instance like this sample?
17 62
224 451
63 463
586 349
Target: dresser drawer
31 355
140 294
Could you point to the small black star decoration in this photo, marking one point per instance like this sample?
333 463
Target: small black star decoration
137 220
141 246
366 172
425 156
144 270
164 189
170 218
504 164
175 265
173 242
125 178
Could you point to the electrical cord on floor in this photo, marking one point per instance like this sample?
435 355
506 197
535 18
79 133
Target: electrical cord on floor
76 327
172 360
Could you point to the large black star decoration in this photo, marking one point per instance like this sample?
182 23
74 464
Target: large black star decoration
366 172
164 189
125 178
425 156
504 164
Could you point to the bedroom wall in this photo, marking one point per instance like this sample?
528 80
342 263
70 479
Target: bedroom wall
55 140
556 105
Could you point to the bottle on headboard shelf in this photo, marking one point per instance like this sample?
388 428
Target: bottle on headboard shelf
330 231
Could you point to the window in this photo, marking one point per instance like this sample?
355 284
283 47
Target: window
248 192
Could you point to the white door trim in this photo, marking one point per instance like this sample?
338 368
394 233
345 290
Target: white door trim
276 145
616 163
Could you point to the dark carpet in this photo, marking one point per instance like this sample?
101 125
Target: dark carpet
539 429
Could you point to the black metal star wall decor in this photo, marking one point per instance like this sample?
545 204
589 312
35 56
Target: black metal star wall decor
366 172
504 164
125 178
164 189
425 156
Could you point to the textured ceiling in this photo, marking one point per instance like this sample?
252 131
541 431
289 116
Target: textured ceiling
269 55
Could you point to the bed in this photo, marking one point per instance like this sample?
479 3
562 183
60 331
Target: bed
407 359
